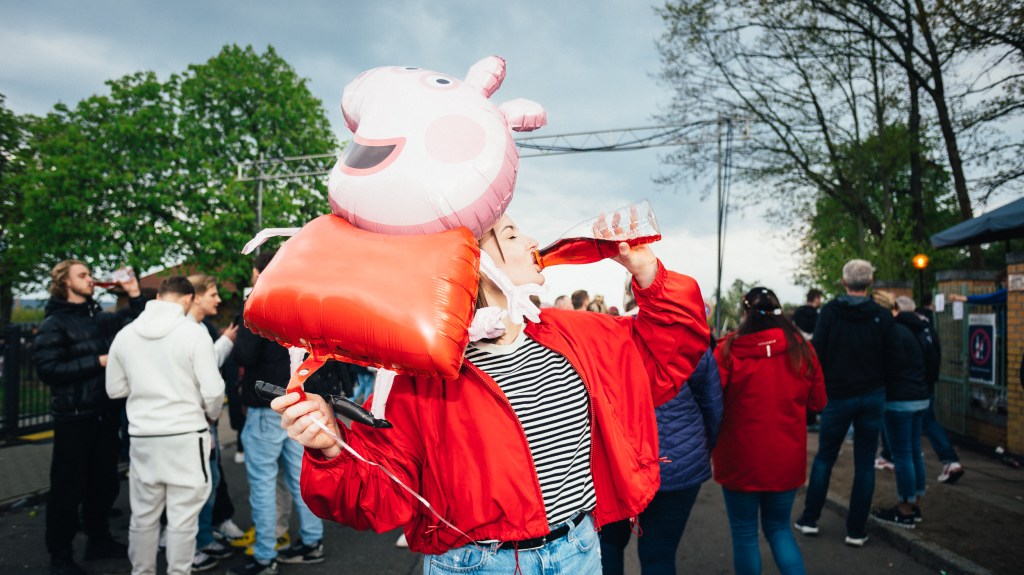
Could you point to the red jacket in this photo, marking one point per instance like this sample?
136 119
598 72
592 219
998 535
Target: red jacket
459 445
762 445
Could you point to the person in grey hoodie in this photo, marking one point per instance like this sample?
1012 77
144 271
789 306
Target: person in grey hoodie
165 364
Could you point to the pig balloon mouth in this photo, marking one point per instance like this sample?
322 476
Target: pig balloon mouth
364 156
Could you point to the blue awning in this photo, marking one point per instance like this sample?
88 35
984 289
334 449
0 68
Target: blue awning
1005 223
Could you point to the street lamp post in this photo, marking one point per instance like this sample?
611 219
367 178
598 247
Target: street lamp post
920 262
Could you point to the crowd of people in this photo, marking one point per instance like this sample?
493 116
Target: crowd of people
609 423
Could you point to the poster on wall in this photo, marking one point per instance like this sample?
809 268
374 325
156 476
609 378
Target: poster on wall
981 348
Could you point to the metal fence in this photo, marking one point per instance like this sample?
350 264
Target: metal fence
26 400
957 398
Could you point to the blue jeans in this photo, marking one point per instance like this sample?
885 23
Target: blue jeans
775 508
364 386
903 431
865 412
205 536
937 435
266 447
662 524
577 552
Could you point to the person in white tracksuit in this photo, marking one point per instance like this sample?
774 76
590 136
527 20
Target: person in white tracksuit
165 364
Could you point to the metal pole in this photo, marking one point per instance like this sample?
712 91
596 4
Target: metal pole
718 281
920 282
259 197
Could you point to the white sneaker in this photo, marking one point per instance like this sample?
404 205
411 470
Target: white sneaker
229 530
806 529
856 541
884 464
239 457
402 541
951 472
203 562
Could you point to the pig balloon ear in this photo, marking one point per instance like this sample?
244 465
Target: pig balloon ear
524 115
487 75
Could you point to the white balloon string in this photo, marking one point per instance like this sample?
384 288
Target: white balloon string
265 234
392 476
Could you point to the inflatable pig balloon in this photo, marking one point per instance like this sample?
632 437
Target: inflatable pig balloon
430 152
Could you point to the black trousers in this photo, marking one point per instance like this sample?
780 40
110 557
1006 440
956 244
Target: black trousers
83 480
223 508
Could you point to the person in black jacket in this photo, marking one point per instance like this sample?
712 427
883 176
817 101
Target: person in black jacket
71 357
906 399
268 449
806 316
853 339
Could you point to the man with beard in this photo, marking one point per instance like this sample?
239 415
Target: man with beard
70 357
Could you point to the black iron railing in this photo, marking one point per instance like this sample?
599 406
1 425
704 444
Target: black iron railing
25 399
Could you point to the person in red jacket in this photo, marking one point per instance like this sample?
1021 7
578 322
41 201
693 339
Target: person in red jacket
770 378
547 433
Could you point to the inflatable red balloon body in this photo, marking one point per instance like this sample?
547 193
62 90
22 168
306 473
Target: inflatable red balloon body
332 290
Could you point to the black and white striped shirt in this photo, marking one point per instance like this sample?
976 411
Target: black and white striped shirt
553 406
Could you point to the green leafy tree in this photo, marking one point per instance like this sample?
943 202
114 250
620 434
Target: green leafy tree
817 81
243 106
12 165
830 239
97 188
144 176
730 306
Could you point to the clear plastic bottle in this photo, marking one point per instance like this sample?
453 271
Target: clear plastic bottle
116 278
598 238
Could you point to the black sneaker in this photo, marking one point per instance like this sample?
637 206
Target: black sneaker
105 549
917 514
302 553
893 516
65 566
254 567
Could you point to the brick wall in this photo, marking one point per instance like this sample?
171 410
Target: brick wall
1014 350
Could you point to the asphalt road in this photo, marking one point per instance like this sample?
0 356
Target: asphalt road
705 548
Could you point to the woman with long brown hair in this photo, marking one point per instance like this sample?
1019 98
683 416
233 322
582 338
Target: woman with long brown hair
770 378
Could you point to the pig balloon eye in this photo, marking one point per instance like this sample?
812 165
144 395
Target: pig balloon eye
438 81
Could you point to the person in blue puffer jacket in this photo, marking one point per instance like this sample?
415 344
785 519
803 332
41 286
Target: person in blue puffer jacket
687 432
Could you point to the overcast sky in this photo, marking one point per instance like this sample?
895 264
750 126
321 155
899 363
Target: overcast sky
590 64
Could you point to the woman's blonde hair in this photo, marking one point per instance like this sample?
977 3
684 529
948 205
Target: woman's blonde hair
884 299
597 304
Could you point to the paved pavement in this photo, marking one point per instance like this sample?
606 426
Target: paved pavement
973 527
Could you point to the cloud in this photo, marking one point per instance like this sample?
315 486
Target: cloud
56 65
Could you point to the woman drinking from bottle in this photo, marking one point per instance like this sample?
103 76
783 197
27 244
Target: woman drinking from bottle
547 433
